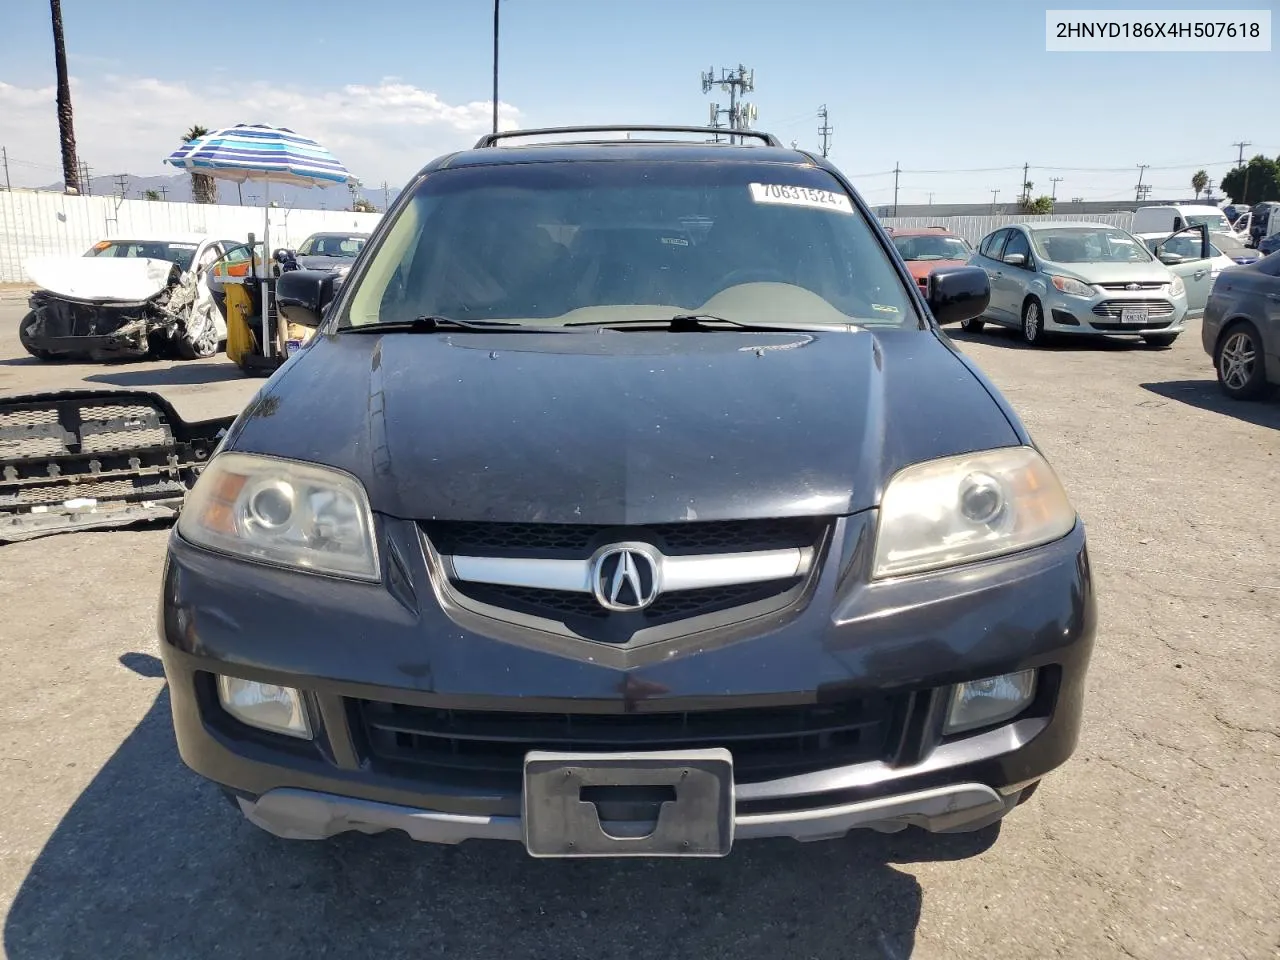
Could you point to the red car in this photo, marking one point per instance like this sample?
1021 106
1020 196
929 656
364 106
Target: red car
925 249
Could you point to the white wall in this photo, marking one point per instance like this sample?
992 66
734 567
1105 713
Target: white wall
974 229
53 224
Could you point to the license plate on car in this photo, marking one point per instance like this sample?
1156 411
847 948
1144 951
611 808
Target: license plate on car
649 804
1133 314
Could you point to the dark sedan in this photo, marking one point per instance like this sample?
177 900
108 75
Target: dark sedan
330 251
628 501
1241 328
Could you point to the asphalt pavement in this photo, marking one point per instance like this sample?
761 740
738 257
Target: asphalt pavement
1157 841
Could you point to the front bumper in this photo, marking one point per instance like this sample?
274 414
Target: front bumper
345 644
1064 314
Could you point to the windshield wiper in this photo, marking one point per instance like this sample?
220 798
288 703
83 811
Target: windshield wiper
697 322
432 323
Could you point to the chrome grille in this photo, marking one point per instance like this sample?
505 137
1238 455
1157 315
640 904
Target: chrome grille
1130 286
1112 308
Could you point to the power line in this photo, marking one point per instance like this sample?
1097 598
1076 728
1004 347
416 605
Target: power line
1241 144
824 129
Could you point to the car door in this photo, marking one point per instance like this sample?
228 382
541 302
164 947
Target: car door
1270 326
1010 287
989 254
1195 267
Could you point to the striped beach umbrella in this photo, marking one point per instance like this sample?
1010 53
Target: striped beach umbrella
267 155
263 153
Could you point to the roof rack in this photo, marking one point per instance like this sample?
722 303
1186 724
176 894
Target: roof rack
491 139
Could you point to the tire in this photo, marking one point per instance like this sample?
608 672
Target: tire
199 343
36 352
1033 323
972 325
1160 339
1239 362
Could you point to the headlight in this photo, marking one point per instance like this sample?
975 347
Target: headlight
283 512
1177 288
959 509
1073 287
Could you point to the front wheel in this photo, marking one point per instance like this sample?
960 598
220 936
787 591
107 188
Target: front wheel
1239 363
972 324
1032 323
199 339
1160 339
24 335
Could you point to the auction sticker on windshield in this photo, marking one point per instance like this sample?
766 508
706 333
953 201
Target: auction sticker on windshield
800 197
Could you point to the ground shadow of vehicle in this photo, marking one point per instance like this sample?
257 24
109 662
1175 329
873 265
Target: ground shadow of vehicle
1010 338
177 375
1207 395
151 862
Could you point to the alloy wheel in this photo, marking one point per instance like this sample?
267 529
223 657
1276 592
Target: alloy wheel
1235 362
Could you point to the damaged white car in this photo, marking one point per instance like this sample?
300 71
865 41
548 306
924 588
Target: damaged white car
126 298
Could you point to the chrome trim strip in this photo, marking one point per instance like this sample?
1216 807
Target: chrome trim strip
674 573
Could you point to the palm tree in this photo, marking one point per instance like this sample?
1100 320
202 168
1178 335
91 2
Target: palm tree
1199 180
66 128
204 189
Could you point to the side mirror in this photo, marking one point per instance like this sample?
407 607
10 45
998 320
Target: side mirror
303 295
1169 258
1016 259
958 293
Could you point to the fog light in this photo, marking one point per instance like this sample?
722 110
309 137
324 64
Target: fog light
980 703
265 706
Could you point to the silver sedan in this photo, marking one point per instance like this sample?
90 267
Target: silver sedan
1069 277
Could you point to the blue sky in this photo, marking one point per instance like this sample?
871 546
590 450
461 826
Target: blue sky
387 84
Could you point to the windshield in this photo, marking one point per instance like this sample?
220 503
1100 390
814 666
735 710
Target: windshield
930 247
1088 245
603 241
179 253
1215 221
331 245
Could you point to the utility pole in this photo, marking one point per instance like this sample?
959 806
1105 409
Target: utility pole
86 183
994 194
735 82
386 202
1142 168
5 154
240 193
930 199
164 193
897 169
1241 144
1053 194
1024 192
495 65
122 182
824 129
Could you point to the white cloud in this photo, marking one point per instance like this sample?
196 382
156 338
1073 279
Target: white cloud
383 131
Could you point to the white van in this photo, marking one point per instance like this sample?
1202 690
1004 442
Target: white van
1171 218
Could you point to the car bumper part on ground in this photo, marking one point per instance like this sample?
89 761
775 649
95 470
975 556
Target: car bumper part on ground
347 645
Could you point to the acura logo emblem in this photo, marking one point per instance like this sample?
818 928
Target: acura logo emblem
624 577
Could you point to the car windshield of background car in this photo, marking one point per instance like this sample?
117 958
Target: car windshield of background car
603 241
179 253
1213 221
931 248
1088 245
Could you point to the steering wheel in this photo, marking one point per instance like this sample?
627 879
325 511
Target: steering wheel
754 275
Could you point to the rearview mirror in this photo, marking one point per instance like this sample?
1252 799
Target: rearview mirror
303 295
958 293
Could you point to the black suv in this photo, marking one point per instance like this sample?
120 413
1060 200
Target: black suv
627 501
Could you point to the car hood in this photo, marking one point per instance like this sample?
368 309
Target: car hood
922 268
1154 272
118 279
623 427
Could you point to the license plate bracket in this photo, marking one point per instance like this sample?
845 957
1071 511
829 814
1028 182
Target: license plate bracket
698 822
1133 315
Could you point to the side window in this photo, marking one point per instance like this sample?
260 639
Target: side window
211 253
993 246
1018 244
